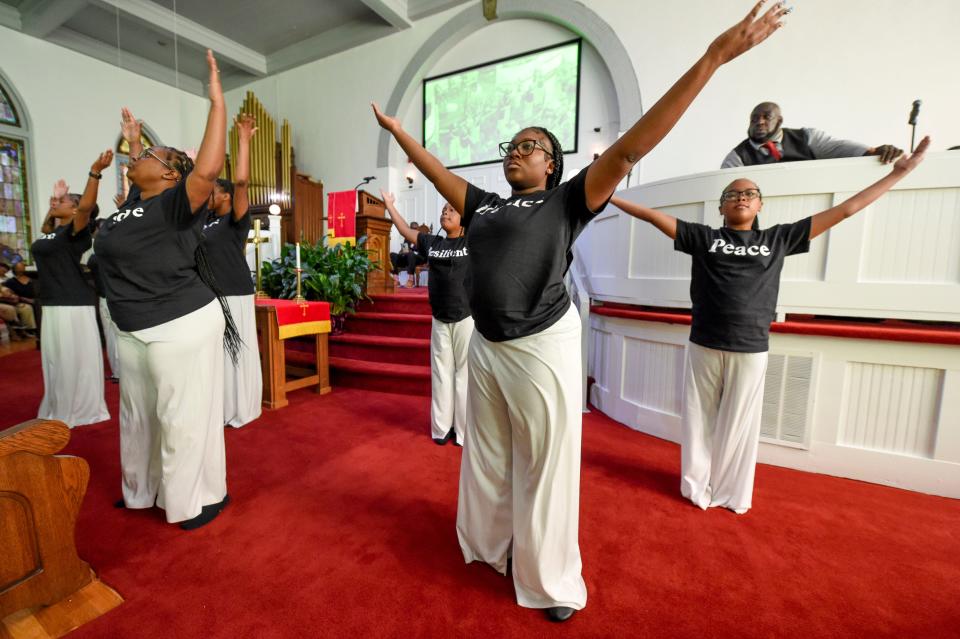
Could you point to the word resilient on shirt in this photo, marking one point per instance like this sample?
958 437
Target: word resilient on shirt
520 249
448 263
735 281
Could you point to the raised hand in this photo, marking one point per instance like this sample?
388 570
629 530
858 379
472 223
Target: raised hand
216 91
103 161
387 197
909 162
749 32
60 189
387 122
246 126
129 126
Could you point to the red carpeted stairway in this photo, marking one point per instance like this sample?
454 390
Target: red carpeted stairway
385 347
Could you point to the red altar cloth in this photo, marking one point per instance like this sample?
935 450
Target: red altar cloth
299 318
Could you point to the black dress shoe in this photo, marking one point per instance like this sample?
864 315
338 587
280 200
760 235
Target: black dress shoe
559 613
207 514
450 435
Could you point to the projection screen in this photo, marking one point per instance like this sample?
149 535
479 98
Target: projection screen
467 113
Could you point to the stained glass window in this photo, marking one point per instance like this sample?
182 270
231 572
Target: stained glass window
14 208
122 155
8 114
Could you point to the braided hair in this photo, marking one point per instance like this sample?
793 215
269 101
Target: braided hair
553 180
232 341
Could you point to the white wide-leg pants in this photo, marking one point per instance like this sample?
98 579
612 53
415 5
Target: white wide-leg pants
72 366
720 424
243 382
110 336
449 346
520 473
171 414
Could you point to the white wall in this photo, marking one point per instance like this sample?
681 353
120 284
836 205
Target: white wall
73 105
851 68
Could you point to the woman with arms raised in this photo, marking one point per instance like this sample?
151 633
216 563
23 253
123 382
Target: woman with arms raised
225 236
734 285
170 329
520 475
69 340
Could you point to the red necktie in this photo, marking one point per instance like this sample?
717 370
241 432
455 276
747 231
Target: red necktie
774 151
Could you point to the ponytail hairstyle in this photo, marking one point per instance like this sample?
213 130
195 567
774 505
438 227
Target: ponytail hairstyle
553 180
94 212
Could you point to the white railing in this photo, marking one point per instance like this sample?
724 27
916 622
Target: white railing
879 411
899 258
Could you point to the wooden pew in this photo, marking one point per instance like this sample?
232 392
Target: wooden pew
40 497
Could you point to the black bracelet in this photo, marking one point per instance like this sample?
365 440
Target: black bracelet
95 176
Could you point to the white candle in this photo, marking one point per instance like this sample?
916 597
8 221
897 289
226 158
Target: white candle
298 255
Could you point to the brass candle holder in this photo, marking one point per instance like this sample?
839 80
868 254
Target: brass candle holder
299 298
257 241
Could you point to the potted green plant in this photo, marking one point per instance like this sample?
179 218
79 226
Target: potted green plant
334 274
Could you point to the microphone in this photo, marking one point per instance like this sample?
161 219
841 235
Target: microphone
365 180
914 113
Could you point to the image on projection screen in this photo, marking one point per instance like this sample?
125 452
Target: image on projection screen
467 113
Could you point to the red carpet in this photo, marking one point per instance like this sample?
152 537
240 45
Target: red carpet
342 525
386 346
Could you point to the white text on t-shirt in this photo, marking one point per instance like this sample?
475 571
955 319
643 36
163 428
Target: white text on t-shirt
730 249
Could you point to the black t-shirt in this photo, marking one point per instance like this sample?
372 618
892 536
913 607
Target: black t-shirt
448 269
147 264
520 249
19 289
62 282
224 240
735 281
94 267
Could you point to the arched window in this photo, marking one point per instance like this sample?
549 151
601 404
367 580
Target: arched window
14 184
122 155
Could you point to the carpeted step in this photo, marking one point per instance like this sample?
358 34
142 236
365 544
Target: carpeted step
379 348
387 378
410 303
389 324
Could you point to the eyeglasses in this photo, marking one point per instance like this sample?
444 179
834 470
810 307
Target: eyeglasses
523 147
733 196
147 152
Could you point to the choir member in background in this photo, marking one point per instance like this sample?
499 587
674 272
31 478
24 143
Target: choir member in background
69 339
171 329
520 474
452 325
734 284
225 236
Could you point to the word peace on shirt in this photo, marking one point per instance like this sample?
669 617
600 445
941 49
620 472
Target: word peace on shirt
730 249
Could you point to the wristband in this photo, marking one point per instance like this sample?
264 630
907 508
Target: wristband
95 176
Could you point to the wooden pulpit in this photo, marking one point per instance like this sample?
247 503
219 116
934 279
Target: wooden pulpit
40 498
372 222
